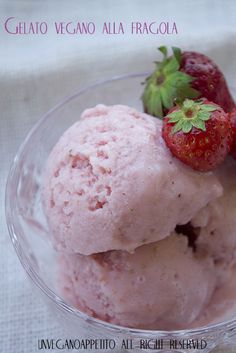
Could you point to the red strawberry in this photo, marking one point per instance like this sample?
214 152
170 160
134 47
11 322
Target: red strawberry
209 80
232 117
198 133
184 75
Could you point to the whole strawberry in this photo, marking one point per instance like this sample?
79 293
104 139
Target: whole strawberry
184 75
232 116
198 133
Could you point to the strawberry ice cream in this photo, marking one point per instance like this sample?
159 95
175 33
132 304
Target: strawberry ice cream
144 240
150 288
112 184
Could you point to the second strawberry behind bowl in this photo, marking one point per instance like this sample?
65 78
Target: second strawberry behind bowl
29 230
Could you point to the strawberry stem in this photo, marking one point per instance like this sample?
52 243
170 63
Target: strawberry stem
167 84
191 114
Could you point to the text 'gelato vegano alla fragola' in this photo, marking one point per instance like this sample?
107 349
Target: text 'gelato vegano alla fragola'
145 241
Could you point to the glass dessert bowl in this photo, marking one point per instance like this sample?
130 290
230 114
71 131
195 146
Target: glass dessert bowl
29 231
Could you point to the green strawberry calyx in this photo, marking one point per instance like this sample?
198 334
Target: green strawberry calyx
167 84
191 114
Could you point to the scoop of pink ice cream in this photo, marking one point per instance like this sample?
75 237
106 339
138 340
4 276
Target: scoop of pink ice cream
111 183
162 285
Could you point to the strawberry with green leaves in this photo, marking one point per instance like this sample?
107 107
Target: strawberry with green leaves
184 75
198 133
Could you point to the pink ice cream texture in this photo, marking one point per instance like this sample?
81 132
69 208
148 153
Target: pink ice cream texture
119 208
111 184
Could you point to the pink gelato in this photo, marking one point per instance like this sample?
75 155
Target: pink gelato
145 241
151 288
112 184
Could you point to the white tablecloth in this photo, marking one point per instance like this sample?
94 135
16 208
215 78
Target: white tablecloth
38 71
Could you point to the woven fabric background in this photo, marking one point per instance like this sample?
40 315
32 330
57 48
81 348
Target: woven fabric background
36 72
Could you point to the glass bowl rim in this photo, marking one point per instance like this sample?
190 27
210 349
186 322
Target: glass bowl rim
37 280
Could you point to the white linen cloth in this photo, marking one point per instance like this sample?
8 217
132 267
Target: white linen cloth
36 72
